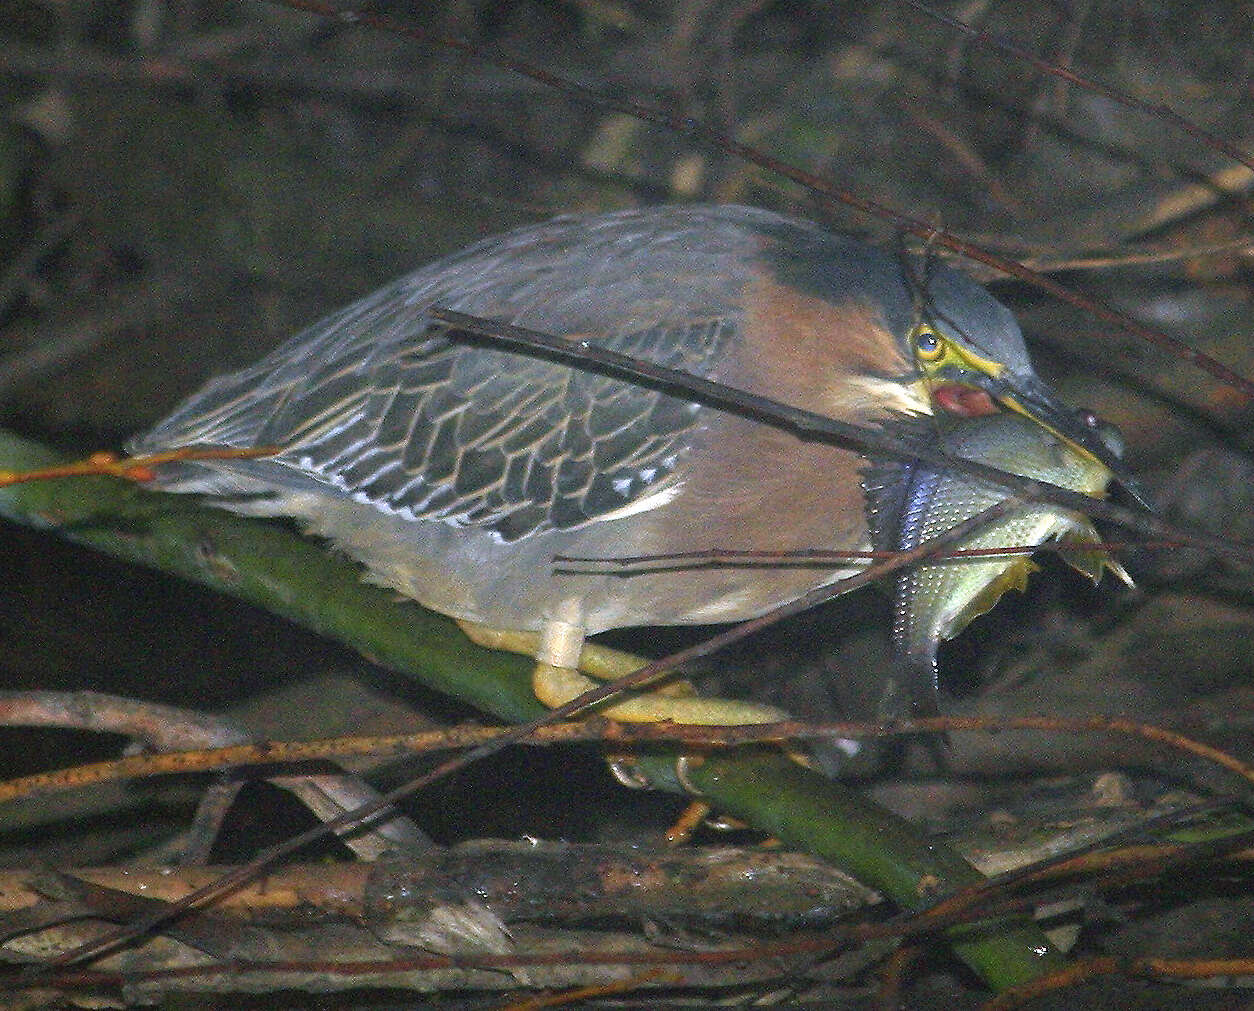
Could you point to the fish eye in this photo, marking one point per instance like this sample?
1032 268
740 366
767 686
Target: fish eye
1112 437
1108 433
928 344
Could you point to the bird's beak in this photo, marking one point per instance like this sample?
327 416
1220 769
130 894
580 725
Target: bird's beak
1028 396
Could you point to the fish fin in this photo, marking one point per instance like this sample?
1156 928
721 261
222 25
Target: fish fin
1014 577
1074 549
886 483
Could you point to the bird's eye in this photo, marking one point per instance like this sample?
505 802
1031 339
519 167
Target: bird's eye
928 344
1089 419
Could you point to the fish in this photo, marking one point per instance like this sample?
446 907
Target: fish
909 503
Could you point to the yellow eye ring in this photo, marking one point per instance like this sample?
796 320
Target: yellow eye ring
929 346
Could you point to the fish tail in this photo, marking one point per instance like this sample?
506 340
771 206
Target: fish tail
918 673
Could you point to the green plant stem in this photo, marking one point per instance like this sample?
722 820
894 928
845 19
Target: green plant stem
877 847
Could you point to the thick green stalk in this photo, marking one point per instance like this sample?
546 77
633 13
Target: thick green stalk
275 568
877 847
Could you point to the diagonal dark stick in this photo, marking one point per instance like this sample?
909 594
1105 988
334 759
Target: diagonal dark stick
1159 110
809 425
121 936
705 134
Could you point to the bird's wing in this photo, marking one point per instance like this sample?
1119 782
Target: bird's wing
482 438
379 403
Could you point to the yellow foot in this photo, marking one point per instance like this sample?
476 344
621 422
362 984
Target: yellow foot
564 659
555 686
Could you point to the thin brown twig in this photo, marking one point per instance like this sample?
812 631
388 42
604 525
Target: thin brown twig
628 565
964 155
1144 257
135 468
587 992
172 730
804 946
1129 866
269 753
